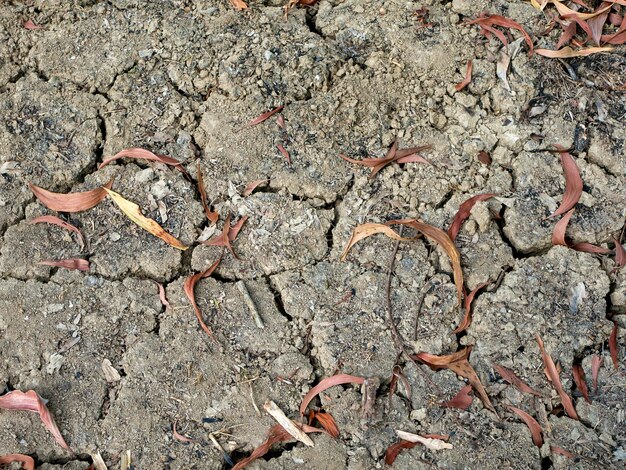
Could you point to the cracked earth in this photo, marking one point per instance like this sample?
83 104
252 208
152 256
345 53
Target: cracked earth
182 78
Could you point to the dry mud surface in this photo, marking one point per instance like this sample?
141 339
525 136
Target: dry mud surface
182 78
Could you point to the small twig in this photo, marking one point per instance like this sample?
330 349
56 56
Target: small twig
258 412
218 446
250 304
286 423
423 292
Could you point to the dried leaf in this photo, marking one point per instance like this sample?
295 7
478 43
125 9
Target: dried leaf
31 401
111 375
484 157
143 154
284 152
179 437
558 233
462 400
442 239
620 254
280 121
429 442
513 379
590 248
189 286
553 374
71 202
567 35
133 212
467 79
563 452
567 52
459 364
613 346
239 4
30 25
338 379
573 183
392 451
287 424
162 296
365 230
407 155
276 434
533 425
212 216
596 24
579 380
464 212
252 186
27 462
568 13
596 363
262 117
51 219
487 23
229 234
70 263
467 317
328 423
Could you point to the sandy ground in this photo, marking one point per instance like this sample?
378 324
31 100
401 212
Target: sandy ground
182 78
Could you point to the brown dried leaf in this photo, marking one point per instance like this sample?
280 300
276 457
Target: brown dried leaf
71 202
229 234
328 423
487 23
239 4
513 379
252 186
467 317
613 346
462 400
143 154
365 230
69 263
276 434
468 77
31 401
407 155
567 52
484 157
596 363
392 451
533 425
27 462
563 452
573 183
579 380
189 286
133 212
284 153
558 233
553 374
212 216
568 13
262 117
596 24
464 212
338 379
51 219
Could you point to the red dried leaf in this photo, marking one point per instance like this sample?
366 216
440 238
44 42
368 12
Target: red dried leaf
162 296
596 24
51 219
229 234
366 230
486 23
276 434
28 463
143 154
467 317
553 374
513 379
392 451
328 423
567 35
468 77
590 248
212 216
613 346
462 400
71 202
30 25
407 155
620 254
31 401
558 233
484 157
69 263
533 425
567 52
252 186
563 452
284 152
189 286
573 182
459 364
596 363
338 379
464 212
579 380
280 121
179 437
262 117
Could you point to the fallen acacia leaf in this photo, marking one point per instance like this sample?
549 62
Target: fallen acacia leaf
262 117
179 437
553 374
328 423
31 401
392 451
396 374
143 154
513 379
558 233
573 182
189 286
212 216
51 219
579 380
366 230
442 239
429 442
70 263
70 202
464 212
620 254
287 424
467 79
613 346
462 400
162 297
30 25
284 152
567 52
408 155
596 24
596 363
459 364
338 379
229 234
252 186
568 13
590 248
487 23
467 317
280 121
28 463
563 452
133 212
533 425
239 4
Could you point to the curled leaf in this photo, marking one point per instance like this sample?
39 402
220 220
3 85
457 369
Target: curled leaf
71 202
28 463
284 153
487 23
179 437
143 154
276 434
596 363
467 79
70 263
51 219
229 234
579 380
31 401
365 230
613 346
513 379
553 374
467 317
210 215
338 379
462 400
533 425
558 233
567 52
262 117
464 212
190 285
328 423
252 186
133 212
573 182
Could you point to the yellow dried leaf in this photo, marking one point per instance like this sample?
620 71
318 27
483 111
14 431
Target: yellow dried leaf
365 230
